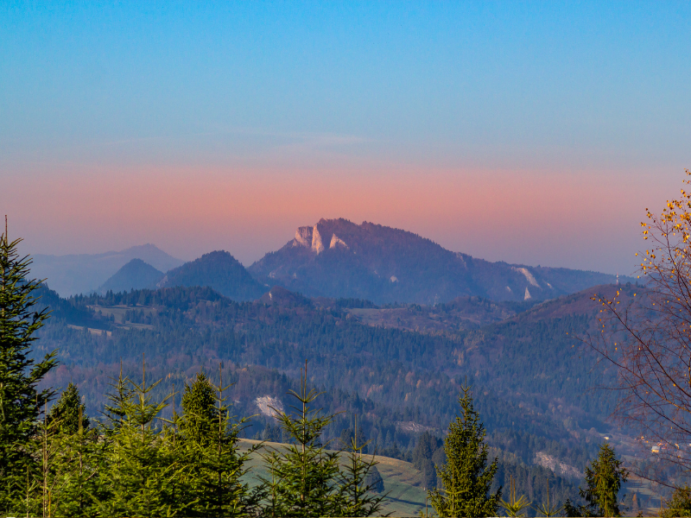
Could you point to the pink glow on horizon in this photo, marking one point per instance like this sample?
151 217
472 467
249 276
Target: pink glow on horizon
584 220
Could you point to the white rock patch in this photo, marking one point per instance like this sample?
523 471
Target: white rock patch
337 242
303 237
317 245
561 468
529 276
412 427
269 406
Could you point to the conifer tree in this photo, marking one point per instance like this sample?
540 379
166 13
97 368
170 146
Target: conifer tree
67 412
118 400
603 477
515 505
21 402
678 505
142 471
304 476
77 460
356 496
466 479
209 445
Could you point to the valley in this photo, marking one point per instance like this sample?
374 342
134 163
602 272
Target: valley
394 354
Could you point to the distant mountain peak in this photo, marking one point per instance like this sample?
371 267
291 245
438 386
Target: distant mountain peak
135 275
339 258
218 270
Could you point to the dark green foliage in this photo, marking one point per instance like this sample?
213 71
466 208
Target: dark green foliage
465 478
208 446
200 415
66 414
424 458
143 469
77 461
679 505
358 480
21 402
302 479
603 477
115 408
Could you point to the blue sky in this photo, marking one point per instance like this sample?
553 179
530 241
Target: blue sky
336 96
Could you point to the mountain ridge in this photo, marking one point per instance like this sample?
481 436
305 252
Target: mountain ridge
83 273
338 258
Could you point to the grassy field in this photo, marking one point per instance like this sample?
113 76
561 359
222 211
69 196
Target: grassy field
402 482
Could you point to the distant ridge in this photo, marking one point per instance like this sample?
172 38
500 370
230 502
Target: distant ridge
338 258
83 273
220 271
135 275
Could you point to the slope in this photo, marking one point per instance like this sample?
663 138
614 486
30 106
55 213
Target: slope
531 381
337 258
135 275
218 270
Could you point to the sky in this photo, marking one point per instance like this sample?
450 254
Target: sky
528 132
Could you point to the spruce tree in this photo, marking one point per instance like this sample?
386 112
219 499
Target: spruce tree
118 400
466 479
21 402
678 505
209 447
604 478
304 475
356 487
68 411
77 460
142 472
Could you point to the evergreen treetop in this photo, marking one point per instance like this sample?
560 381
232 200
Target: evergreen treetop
604 477
466 479
200 415
304 475
65 415
214 466
21 402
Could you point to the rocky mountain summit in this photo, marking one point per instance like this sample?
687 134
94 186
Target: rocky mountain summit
338 258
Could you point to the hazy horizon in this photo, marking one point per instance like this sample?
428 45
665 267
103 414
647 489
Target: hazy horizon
533 133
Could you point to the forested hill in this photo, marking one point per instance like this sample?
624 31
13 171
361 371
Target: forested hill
530 380
338 258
